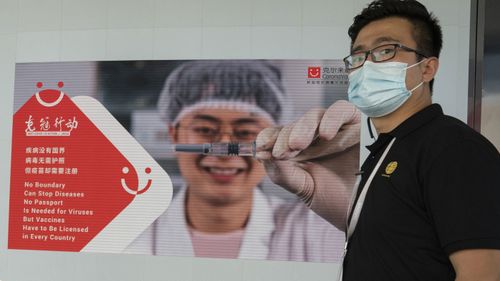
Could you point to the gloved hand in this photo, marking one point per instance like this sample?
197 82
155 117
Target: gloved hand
316 158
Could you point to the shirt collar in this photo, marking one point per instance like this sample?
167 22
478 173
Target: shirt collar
409 125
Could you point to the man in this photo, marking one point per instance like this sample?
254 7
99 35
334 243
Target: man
222 212
428 203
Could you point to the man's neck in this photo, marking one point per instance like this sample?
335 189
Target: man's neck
389 122
208 217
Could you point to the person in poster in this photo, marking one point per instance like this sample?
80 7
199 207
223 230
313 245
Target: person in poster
221 211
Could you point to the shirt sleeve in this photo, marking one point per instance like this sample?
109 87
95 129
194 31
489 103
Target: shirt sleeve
463 195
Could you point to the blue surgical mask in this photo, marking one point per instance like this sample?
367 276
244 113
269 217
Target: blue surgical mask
378 89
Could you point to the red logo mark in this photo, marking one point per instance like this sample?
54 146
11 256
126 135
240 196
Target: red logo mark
314 72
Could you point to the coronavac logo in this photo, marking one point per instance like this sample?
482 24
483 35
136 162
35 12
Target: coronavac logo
333 74
314 72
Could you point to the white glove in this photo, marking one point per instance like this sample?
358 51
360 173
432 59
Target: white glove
316 158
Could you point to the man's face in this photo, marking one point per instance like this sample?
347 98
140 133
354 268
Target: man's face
219 180
387 31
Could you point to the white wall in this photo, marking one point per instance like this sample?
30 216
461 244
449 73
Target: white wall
76 30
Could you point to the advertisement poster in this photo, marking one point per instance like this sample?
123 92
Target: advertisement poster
94 167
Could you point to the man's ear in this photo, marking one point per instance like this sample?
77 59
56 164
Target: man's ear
173 133
430 69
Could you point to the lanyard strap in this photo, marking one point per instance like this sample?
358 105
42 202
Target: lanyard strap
359 205
361 200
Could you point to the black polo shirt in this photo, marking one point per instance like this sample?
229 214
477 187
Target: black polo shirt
436 192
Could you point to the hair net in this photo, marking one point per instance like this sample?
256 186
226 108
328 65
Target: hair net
248 85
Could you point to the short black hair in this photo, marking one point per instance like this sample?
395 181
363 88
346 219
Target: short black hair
426 29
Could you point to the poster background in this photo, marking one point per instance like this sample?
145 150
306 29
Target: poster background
87 30
130 89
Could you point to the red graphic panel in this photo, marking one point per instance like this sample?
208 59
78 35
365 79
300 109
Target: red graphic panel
66 176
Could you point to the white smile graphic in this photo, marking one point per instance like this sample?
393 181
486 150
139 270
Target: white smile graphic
314 73
125 170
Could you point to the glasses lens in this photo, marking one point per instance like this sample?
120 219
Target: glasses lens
204 133
383 53
245 135
355 60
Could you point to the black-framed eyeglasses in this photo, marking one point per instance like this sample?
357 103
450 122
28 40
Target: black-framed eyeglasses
378 54
206 133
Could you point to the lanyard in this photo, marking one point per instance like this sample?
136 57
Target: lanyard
351 226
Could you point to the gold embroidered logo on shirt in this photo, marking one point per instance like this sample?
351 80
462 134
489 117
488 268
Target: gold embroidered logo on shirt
391 167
